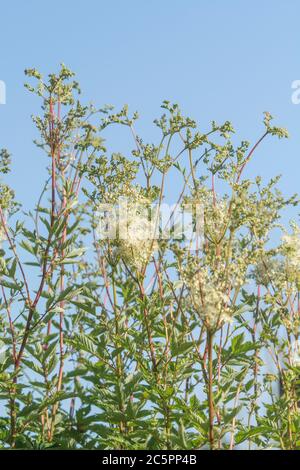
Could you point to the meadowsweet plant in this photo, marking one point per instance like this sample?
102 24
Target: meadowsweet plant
117 336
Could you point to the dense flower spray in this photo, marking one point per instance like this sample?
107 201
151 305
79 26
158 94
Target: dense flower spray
136 233
131 227
291 247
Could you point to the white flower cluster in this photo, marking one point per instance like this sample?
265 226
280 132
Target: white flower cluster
136 236
132 230
291 247
209 298
215 211
215 218
266 271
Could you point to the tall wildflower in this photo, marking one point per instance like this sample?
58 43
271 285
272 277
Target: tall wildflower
214 277
280 274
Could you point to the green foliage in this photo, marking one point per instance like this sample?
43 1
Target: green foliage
146 343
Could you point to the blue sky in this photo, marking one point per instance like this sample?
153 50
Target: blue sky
222 60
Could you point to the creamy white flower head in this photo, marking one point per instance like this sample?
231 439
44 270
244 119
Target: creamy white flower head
291 247
295 353
215 211
132 229
136 239
208 298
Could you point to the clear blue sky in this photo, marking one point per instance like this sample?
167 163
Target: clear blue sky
219 59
